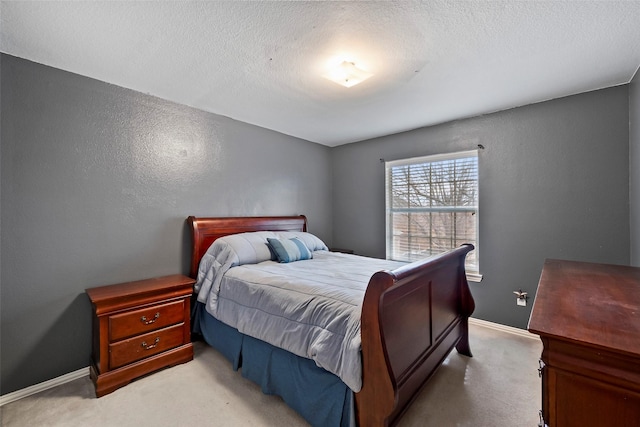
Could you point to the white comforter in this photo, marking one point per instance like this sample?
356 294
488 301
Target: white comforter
310 308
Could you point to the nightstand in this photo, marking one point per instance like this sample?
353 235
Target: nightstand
138 328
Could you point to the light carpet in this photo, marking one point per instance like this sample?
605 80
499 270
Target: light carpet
498 387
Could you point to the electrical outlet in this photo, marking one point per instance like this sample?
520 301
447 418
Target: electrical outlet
521 299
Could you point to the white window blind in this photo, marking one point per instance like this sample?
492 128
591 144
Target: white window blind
432 206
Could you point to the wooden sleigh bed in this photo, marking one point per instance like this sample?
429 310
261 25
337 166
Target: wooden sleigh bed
411 318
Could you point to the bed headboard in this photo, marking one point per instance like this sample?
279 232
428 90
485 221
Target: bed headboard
204 231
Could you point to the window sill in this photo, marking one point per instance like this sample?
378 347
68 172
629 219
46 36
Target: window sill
474 277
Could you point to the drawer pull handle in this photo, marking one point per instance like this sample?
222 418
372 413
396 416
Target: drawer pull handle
144 320
541 368
149 347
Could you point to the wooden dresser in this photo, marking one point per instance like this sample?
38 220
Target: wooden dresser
139 327
588 318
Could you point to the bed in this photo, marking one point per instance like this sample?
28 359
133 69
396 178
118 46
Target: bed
411 317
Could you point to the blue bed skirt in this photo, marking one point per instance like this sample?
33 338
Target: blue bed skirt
319 396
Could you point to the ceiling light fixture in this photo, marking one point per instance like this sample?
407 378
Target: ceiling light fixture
347 74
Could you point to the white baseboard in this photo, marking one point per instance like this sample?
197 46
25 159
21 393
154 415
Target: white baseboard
503 328
46 385
19 394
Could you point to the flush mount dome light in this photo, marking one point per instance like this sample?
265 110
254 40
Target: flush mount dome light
347 74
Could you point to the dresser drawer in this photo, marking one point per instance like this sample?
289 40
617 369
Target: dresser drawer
139 347
136 322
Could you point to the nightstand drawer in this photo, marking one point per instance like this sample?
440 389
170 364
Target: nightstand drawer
139 347
144 320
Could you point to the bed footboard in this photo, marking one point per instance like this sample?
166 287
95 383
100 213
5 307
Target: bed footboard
411 319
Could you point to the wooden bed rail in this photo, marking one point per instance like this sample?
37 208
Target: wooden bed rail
412 318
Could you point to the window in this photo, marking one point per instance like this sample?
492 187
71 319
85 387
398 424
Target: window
432 206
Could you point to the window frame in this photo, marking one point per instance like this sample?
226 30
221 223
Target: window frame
472 274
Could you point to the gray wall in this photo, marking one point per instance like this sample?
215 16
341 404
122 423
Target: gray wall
554 183
97 181
634 167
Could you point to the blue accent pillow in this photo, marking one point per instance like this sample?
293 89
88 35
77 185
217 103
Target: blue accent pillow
274 255
289 250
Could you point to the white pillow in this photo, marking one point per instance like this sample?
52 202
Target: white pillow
311 241
250 248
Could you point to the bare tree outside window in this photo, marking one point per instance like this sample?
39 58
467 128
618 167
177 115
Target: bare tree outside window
432 206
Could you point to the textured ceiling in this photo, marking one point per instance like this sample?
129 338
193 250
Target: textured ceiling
262 62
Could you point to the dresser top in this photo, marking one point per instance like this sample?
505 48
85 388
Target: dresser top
129 294
593 304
